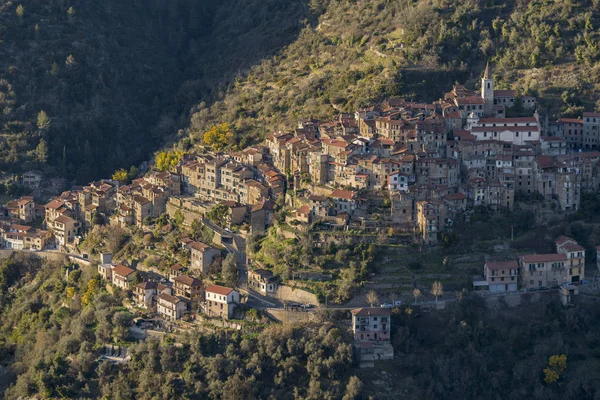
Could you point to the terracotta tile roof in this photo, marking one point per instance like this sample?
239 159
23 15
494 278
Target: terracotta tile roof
573 247
591 114
63 219
148 285
199 246
177 267
188 280
545 161
222 290
516 120
470 100
54 204
305 209
505 128
343 194
504 93
123 270
570 121
540 258
456 196
169 299
374 311
495 265
316 197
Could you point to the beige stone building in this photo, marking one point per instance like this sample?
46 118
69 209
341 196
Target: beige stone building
221 301
543 270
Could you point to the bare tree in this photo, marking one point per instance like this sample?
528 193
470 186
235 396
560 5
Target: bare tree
416 294
372 298
437 290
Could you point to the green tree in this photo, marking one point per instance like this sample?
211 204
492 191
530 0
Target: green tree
43 121
218 214
229 270
178 218
41 152
20 11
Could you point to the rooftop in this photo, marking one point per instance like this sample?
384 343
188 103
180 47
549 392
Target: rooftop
222 290
374 311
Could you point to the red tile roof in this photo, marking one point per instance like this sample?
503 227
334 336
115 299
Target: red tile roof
343 194
540 258
199 246
188 280
456 196
495 265
222 290
366 312
169 299
504 93
570 121
516 120
123 270
54 204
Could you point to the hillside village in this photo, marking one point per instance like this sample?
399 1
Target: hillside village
426 166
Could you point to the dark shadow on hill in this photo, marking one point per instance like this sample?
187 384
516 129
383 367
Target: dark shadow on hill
429 85
117 78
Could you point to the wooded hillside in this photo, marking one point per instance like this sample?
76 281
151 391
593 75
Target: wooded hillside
117 80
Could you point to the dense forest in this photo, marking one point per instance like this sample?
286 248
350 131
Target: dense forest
90 87
53 329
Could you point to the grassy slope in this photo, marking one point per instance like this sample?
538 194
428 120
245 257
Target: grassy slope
363 51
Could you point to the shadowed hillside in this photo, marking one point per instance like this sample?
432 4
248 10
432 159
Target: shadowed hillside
114 78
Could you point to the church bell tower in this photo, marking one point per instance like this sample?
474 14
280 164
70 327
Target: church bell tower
487 92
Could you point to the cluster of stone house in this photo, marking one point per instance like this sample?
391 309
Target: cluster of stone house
145 198
578 133
434 161
22 237
174 298
535 271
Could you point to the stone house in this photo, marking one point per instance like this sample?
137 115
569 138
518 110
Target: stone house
575 257
431 220
319 205
501 276
170 307
32 179
188 288
122 276
543 270
203 256
145 294
221 301
371 324
344 201
263 281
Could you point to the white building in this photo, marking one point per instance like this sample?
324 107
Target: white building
518 131
221 301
